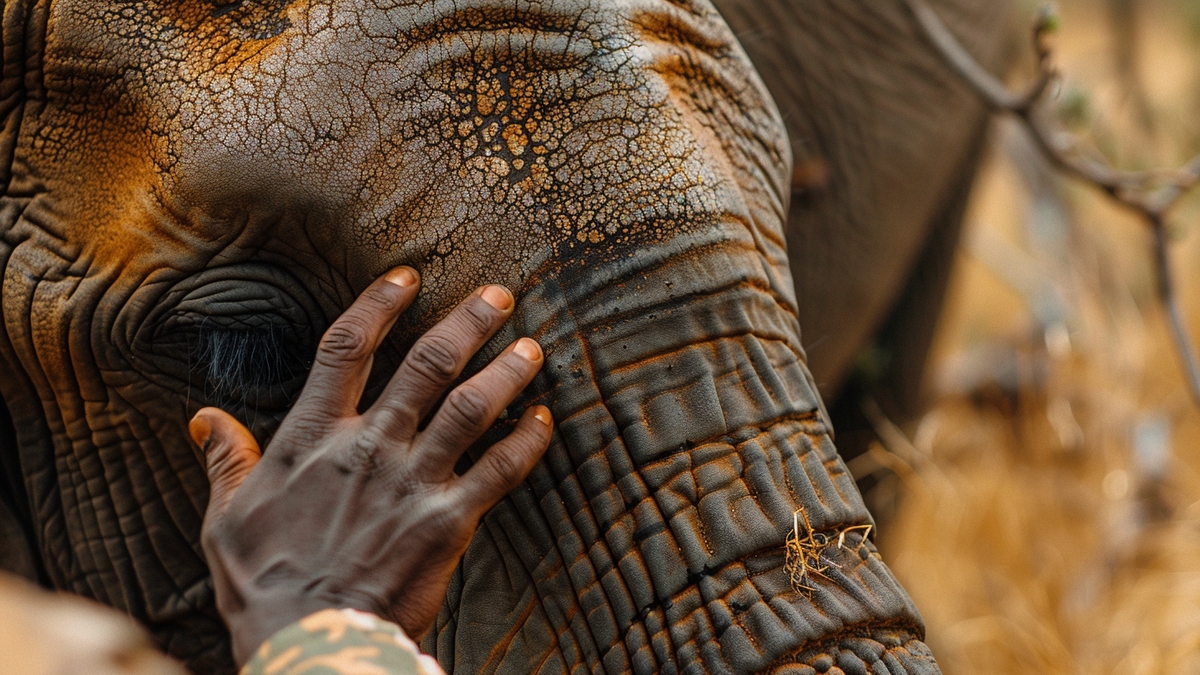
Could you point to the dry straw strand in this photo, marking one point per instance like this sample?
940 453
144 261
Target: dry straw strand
805 551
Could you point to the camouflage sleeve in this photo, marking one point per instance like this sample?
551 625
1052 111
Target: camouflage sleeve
341 642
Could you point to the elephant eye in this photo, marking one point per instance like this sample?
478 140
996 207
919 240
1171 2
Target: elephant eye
241 338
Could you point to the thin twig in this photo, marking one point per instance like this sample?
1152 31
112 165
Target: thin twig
993 90
1166 284
1150 194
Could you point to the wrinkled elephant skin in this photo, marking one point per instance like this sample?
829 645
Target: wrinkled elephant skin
197 188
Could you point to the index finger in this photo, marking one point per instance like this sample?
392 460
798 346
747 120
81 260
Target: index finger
347 349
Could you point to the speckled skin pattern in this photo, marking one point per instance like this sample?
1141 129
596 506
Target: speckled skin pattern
181 166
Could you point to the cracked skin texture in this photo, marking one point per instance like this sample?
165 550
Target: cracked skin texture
188 166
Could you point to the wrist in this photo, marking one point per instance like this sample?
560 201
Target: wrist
331 635
266 615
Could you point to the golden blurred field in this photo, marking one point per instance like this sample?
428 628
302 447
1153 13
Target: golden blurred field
1045 512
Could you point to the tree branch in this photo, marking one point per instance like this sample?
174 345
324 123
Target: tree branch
991 89
1150 194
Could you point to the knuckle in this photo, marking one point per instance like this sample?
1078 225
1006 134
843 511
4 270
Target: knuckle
364 453
469 406
526 444
504 472
435 357
346 340
381 298
478 316
514 369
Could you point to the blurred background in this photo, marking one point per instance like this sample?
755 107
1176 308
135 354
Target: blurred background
1045 512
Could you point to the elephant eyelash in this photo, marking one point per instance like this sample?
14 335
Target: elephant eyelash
241 367
804 559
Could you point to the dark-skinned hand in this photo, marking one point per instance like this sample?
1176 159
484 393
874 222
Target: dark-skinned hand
365 511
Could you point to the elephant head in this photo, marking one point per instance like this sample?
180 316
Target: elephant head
195 188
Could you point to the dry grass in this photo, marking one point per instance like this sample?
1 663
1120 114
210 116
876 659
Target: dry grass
1047 508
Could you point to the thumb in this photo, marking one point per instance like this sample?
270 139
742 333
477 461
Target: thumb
231 453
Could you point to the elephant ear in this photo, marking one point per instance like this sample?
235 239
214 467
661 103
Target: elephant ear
22 32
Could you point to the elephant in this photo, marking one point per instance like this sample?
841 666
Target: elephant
195 189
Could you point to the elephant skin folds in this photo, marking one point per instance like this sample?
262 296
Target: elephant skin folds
192 184
651 538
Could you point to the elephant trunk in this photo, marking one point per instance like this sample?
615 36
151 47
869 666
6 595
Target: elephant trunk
652 538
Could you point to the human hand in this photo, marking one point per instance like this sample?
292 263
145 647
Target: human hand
365 511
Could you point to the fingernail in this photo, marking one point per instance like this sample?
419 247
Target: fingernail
402 276
200 429
542 414
497 296
528 349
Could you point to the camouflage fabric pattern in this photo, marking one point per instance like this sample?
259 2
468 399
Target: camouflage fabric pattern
341 642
